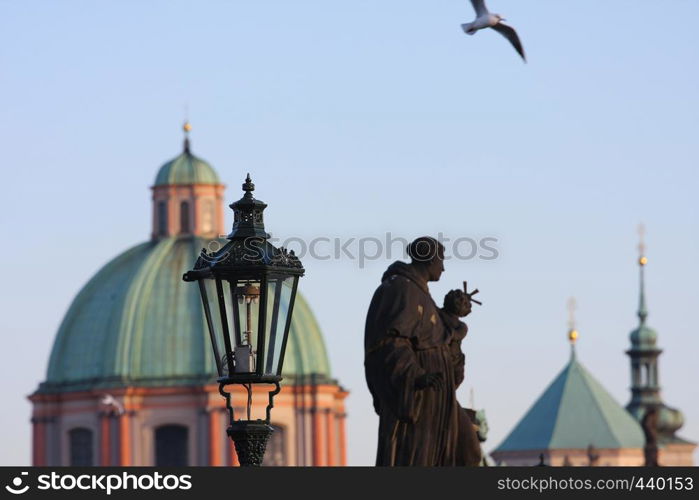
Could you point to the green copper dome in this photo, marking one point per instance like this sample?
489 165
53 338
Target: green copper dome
186 169
137 323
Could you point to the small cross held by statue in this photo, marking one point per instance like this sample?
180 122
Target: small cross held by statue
470 295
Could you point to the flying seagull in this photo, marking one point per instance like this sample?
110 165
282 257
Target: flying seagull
485 19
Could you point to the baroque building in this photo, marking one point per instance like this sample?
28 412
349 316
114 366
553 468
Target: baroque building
131 379
577 422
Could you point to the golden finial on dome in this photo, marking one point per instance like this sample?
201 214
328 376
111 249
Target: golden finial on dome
186 128
572 332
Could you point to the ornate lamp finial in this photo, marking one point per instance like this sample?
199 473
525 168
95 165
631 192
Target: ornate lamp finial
247 214
248 187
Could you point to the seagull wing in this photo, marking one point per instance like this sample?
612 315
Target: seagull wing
480 7
510 33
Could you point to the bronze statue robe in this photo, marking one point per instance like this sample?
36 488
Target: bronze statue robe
407 336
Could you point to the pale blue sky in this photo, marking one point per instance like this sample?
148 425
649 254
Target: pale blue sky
356 118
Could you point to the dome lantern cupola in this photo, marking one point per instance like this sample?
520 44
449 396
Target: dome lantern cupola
187 197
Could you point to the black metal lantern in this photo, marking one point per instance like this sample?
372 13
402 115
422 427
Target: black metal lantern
247 289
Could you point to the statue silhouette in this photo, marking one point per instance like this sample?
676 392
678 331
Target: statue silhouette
413 365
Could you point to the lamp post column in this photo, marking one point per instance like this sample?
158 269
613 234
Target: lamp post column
251 285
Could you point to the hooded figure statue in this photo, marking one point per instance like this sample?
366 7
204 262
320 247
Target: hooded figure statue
413 365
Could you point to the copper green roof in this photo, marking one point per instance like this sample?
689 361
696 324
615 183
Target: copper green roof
575 411
137 323
186 169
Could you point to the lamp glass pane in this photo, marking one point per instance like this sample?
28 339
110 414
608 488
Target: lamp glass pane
278 300
212 301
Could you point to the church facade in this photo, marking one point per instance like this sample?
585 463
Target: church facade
130 379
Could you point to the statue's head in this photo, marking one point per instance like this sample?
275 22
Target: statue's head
428 253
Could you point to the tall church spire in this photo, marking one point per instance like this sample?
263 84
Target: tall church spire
645 374
645 386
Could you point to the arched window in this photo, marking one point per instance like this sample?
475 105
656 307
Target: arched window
171 446
184 217
275 455
162 218
80 446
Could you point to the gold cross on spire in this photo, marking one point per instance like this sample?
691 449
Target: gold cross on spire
186 128
642 259
572 332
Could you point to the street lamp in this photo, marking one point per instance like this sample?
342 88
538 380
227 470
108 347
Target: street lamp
247 289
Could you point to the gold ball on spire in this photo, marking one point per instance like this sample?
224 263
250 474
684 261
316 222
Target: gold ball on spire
643 260
573 336
187 126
